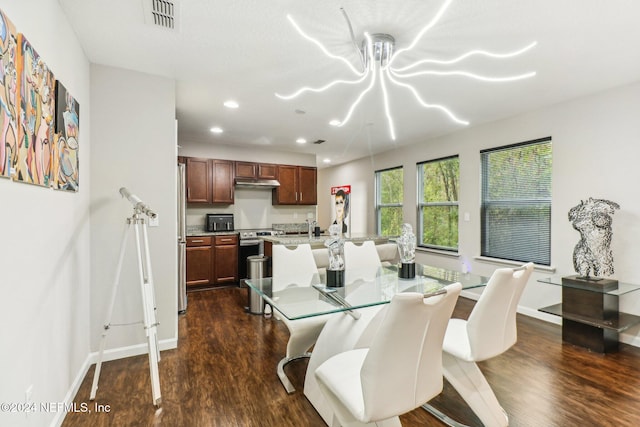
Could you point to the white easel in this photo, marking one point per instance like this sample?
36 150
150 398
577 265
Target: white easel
139 222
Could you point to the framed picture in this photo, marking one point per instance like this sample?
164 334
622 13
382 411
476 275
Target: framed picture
340 197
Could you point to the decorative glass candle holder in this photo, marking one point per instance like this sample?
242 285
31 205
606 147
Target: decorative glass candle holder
335 246
407 248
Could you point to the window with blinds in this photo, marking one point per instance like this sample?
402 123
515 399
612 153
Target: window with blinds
389 196
516 202
438 188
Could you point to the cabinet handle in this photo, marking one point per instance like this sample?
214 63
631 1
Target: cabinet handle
188 193
296 196
301 196
197 241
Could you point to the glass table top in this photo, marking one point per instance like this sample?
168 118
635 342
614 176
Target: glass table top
365 288
622 288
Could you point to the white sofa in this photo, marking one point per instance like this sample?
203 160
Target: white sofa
388 253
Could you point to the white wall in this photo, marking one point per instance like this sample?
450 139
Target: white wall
133 134
252 208
45 245
595 154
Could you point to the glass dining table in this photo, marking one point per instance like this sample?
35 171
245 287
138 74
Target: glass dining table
362 298
365 288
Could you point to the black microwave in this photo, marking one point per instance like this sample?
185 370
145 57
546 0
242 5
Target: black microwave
219 222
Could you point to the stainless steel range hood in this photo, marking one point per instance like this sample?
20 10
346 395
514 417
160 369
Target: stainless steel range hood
256 183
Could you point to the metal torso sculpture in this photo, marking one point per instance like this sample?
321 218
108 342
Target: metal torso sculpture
592 218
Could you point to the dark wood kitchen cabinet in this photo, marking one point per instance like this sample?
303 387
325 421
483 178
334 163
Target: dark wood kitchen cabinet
256 170
199 261
212 260
198 180
222 181
298 186
210 181
225 254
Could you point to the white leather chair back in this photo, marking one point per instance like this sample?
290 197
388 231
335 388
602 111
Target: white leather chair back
491 326
361 261
292 266
403 368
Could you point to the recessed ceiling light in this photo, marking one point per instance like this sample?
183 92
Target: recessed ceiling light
326 161
334 122
216 129
231 104
301 141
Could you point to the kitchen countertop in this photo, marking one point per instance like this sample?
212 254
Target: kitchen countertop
318 242
194 233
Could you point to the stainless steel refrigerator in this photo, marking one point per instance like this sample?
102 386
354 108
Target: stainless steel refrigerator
182 241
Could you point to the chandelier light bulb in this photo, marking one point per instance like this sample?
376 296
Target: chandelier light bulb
377 56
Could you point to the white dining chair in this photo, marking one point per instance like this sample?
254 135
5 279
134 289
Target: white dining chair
295 268
399 371
489 331
361 261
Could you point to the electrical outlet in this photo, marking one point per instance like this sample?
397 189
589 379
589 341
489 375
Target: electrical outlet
467 217
154 221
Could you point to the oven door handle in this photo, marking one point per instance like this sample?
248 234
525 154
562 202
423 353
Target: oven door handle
250 242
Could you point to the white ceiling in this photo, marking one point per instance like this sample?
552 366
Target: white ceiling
247 50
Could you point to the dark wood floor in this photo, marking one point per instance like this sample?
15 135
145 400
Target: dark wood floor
223 374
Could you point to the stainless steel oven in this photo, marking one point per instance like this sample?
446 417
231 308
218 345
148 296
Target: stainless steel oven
251 244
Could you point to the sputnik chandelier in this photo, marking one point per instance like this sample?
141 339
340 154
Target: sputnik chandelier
377 57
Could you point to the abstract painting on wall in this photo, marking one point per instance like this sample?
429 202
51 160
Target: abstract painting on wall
64 159
8 91
36 88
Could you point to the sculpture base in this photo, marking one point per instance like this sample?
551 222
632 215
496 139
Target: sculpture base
598 284
335 278
407 270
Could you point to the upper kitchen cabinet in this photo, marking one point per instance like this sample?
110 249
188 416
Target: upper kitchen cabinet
198 180
222 183
298 186
256 170
209 181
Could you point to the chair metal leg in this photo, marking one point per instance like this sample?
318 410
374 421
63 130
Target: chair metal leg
473 387
283 377
442 416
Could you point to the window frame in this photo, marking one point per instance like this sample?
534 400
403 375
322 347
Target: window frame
378 204
420 204
537 201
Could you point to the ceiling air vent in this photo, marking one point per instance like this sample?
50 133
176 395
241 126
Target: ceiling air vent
161 13
319 141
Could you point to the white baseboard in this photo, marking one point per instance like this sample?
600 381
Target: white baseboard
111 354
73 390
132 350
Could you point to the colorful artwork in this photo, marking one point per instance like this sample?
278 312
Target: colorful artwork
36 87
341 196
64 159
8 91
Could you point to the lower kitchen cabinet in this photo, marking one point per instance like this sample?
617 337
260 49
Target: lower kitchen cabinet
212 260
199 261
225 260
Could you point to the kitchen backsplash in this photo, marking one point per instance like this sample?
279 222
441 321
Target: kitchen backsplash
252 209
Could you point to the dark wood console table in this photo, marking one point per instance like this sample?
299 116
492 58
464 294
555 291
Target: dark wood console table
590 314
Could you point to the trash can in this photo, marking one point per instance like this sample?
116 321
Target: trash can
256 269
